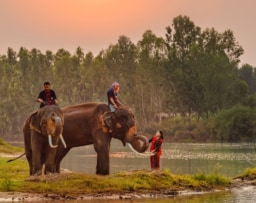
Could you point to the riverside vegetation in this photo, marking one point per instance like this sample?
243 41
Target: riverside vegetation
192 74
14 178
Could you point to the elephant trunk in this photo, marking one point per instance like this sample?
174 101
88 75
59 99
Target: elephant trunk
140 144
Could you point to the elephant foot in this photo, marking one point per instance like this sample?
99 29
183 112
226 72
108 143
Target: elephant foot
33 178
37 173
48 172
102 173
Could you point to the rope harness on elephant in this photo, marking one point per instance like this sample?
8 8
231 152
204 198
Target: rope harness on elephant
110 119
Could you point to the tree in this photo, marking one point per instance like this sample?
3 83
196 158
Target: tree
248 74
150 85
120 60
178 68
202 68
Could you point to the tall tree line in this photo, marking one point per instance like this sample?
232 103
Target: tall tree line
191 72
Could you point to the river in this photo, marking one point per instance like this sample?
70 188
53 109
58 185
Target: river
183 158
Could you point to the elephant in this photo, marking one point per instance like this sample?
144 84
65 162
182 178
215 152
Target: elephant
93 123
42 131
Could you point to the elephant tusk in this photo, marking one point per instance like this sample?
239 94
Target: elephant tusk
141 154
50 142
63 141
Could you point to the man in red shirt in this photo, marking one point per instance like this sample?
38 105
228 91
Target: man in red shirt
47 96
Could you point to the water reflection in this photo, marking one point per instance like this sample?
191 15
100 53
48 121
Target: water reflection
245 195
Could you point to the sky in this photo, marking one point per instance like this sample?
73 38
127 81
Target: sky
93 25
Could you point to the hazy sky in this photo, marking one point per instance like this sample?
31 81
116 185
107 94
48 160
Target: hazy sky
95 24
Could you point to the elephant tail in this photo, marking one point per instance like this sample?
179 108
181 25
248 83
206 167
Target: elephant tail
10 160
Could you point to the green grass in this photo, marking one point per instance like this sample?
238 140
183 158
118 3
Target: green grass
248 174
9 149
14 175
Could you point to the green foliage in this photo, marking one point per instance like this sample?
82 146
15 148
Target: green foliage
247 73
212 179
236 123
249 174
201 68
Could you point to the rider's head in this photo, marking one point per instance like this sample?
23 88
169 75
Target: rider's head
116 86
46 86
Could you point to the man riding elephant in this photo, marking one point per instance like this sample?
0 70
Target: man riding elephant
47 96
42 132
90 123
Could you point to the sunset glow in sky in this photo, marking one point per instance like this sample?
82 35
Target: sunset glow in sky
95 24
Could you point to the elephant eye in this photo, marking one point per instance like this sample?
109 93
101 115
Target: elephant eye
131 123
123 119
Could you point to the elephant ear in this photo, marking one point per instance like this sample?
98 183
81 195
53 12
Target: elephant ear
107 122
34 124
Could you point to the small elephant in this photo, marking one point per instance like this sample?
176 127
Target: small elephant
42 132
93 123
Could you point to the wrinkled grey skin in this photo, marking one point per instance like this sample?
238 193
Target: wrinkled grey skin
84 125
42 132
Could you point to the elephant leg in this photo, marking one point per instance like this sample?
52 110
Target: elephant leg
61 153
50 159
36 145
102 167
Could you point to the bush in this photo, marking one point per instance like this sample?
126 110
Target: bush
235 124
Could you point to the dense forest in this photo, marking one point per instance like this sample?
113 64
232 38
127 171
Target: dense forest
189 78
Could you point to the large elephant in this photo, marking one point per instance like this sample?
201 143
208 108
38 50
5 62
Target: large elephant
92 123
42 131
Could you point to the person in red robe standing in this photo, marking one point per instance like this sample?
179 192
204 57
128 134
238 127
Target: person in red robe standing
156 148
